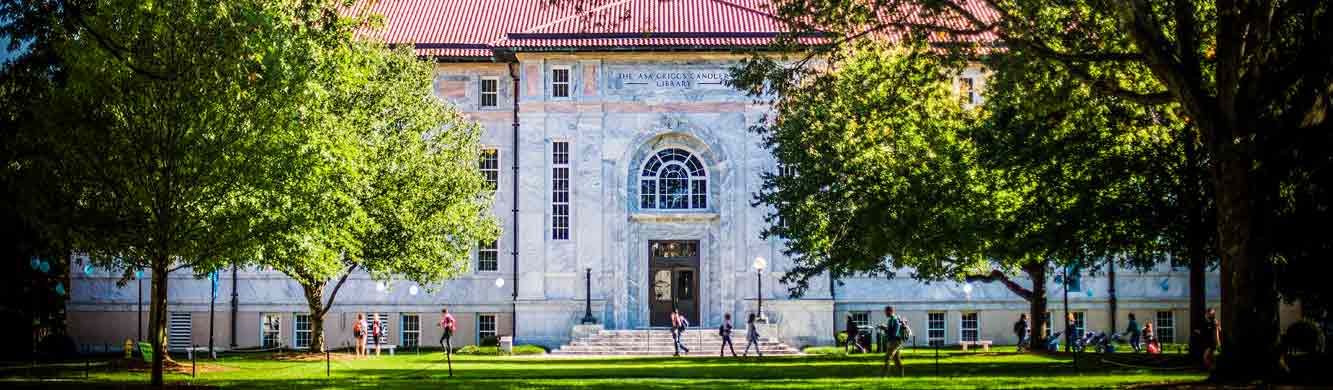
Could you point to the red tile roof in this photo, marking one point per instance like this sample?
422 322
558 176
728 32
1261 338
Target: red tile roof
473 29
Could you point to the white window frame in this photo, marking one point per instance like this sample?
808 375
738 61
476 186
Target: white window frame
494 251
973 97
862 322
1165 334
296 330
695 177
405 331
562 232
488 173
944 325
481 92
962 326
264 332
568 83
1080 323
495 327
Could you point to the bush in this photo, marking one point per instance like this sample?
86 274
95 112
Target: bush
490 341
825 350
495 351
842 339
1303 335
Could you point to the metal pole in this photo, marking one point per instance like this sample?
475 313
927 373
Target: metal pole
328 367
139 278
1111 281
234 303
193 366
1069 336
759 291
212 300
587 313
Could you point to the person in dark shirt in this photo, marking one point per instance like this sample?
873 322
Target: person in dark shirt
1211 337
678 326
725 332
852 331
1021 329
1134 333
751 337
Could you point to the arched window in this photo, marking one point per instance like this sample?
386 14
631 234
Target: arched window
673 179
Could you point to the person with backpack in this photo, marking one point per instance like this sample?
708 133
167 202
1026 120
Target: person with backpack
751 337
895 331
725 332
1021 329
678 326
852 341
359 333
1133 332
377 331
1211 337
1150 339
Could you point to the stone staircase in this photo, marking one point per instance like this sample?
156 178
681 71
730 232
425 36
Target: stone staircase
650 342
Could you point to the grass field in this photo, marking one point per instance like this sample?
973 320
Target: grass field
428 371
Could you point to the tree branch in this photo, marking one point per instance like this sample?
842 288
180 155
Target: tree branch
336 287
996 275
110 46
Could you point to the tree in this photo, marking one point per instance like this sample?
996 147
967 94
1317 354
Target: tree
167 135
956 192
404 196
1252 77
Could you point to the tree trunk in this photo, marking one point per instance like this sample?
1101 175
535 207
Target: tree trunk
1196 236
1249 320
157 320
1037 305
314 296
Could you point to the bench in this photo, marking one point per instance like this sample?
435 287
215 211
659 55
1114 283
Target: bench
389 347
985 344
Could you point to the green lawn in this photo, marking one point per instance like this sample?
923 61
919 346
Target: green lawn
428 371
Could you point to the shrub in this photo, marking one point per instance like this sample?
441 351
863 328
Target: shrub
1303 335
490 341
495 351
842 338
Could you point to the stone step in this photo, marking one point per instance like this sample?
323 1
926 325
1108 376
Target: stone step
650 342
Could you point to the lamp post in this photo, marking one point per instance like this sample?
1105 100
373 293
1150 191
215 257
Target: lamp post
759 264
587 301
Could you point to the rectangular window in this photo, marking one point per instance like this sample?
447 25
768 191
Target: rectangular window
861 318
560 190
488 257
965 90
1166 327
180 331
490 167
490 91
1078 324
969 327
935 329
270 329
485 326
411 336
1073 278
382 319
301 334
560 81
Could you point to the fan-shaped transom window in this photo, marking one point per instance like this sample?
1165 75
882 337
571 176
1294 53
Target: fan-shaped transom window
673 179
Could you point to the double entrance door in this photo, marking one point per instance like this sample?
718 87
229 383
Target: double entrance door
673 271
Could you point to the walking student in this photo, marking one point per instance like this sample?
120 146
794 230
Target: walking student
1211 337
359 332
725 332
852 332
1021 329
751 337
895 331
1134 333
447 327
678 326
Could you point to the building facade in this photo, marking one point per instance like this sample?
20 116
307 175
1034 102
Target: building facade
625 172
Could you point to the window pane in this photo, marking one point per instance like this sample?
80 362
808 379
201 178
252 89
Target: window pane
686 284
861 318
489 92
662 285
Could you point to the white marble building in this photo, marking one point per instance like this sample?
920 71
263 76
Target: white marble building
633 161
